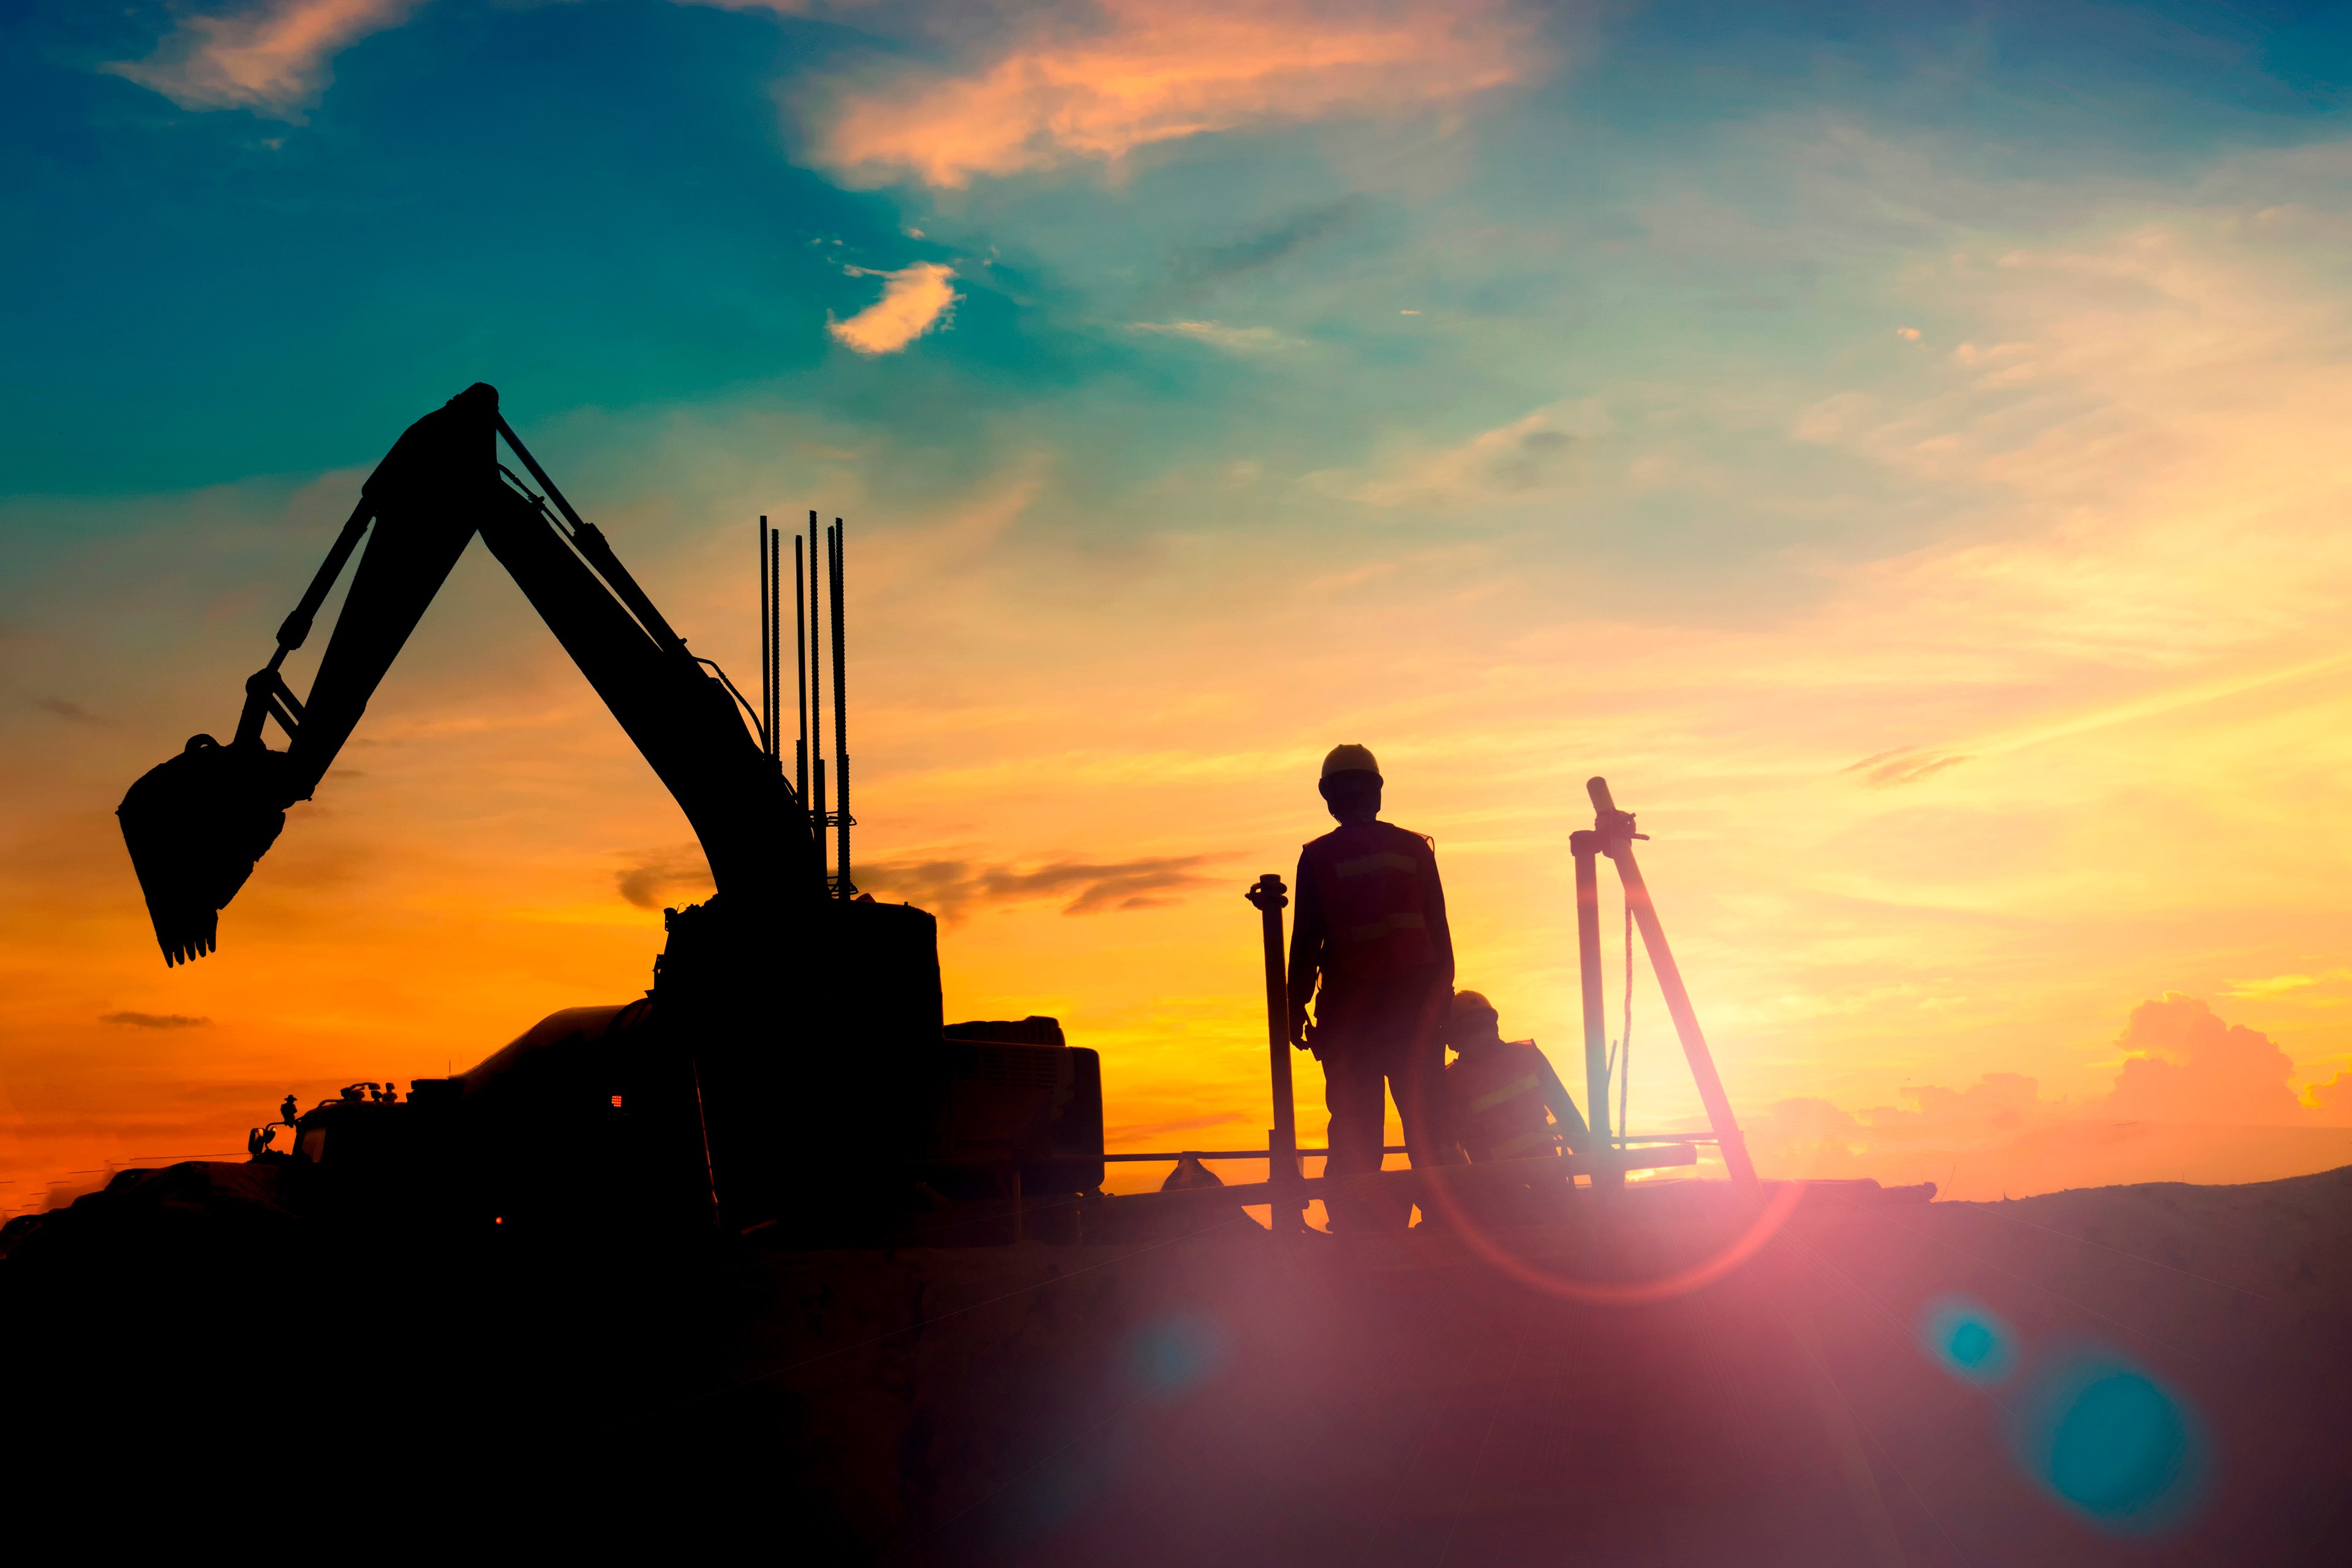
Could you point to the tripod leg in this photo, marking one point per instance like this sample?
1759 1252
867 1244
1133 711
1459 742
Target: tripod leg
1678 1006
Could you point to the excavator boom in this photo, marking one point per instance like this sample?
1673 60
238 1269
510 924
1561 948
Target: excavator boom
746 1087
198 825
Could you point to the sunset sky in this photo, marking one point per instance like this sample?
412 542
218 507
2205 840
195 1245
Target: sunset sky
1902 448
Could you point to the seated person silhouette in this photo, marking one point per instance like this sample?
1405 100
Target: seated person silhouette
1504 1101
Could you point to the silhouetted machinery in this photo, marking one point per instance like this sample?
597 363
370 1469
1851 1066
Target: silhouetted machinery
789 1063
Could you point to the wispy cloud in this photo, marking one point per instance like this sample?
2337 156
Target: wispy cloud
915 300
1263 245
1158 70
1217 335
274 58
654 876
72 712
155 1020
1531 456
952 887
2280 984
1903 766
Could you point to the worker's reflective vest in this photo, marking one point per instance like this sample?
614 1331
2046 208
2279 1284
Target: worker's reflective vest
1494 1098
1378 887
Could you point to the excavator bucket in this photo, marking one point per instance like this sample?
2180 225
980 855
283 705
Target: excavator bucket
195 828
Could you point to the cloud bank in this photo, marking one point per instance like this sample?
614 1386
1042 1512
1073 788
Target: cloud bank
2210 1096
1149 72
2183 1064
273 58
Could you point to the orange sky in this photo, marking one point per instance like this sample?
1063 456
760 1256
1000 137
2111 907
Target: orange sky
1963 622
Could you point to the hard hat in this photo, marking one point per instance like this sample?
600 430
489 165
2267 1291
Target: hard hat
1468 1002
1350 760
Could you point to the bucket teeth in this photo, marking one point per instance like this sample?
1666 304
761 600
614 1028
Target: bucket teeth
195 828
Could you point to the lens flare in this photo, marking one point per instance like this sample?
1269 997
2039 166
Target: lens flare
2111 1442
1967 1339
1176 1355
1768 1218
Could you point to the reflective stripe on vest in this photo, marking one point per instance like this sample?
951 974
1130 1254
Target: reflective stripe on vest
1508 1091
1497 1098
1364 865
1387 925
1522 1145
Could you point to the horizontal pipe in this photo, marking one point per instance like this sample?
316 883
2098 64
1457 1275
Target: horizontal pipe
1541 1165
1174 1154
1236 1153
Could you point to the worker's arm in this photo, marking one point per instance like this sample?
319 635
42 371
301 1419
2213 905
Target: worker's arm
1563 1109
1309 938
1433 914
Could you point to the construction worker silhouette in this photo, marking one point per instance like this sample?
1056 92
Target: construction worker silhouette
1501 1098
1371 950
1498 1092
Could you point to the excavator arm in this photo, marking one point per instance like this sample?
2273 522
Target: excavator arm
196 825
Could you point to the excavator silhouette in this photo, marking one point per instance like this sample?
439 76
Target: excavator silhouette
789 1064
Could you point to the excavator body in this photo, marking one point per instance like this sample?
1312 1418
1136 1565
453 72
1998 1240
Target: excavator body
788 1066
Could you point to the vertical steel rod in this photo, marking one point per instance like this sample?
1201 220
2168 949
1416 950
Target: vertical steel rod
1282 1141
800 677
767 647
1670 983
1586 848
840 717
776 647
816 703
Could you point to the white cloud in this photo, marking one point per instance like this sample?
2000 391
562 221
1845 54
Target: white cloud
273 58
1217 335
915 301
1532 455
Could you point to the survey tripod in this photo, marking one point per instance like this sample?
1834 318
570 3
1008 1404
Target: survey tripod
1612 1154
1612 833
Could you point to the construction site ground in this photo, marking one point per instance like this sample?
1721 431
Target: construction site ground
1214 1395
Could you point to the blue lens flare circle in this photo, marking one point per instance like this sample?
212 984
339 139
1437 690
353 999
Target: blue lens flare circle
1967 1339
2110 1441
1176 1355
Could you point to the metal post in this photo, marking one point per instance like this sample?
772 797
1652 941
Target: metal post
816 702
767 647
1615 831
1586 848
800 677
1282 1141
840 718
775 647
